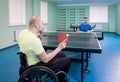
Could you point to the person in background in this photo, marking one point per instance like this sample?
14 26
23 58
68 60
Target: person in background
30 43
84 27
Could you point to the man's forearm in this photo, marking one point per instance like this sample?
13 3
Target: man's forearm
52 54
47 57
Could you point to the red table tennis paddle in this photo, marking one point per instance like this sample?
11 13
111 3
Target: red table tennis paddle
62 37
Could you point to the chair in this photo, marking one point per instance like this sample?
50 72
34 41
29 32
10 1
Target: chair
36 73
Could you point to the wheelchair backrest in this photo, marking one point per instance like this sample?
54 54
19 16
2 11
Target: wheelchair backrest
23 59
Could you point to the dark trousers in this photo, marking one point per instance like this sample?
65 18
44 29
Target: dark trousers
59 63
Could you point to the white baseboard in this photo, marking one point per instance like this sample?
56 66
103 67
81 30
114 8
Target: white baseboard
8 45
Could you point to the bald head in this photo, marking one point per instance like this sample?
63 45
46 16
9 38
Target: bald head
35 21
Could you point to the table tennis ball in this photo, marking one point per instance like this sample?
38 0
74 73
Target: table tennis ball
67 34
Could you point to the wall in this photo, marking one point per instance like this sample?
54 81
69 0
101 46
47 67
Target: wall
70 15
107 27
36 7
52 14
110 26
112 18
7 32
32 8
118 18
53 17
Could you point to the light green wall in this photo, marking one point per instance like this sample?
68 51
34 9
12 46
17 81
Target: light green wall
36 7
66 25
52 14
53 17
7 32
32 8
118 18
112 18
107 27
110 26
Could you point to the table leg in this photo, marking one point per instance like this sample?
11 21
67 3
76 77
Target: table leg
82 67
87 54
86 61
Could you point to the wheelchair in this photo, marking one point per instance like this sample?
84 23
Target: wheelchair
37 73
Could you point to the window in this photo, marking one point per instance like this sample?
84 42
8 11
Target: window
17 14
98 14
44 11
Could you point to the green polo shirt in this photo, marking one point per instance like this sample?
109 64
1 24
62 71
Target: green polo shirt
31 45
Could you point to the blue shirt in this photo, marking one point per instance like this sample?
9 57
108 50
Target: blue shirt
84 27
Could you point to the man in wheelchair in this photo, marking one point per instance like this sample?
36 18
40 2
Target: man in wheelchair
29 43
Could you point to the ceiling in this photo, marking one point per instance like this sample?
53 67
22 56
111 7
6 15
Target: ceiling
84 2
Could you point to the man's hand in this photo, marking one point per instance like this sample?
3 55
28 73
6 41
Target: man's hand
39 36
62 45
88 31
77 30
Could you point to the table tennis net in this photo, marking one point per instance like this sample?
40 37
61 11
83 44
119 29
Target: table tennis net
72 34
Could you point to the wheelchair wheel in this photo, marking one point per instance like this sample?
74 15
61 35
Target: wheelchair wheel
38 74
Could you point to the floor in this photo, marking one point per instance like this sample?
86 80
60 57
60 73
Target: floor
104 67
